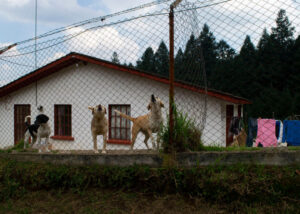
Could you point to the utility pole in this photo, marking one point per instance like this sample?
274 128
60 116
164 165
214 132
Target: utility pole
171 72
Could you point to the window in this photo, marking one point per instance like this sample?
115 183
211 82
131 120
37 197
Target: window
20 112
119 128
63 122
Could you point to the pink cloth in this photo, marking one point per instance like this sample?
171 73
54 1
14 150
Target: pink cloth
266 132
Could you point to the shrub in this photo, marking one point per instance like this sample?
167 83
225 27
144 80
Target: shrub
186 135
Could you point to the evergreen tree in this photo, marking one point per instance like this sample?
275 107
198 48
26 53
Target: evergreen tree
263 42
130 65
208 43
248 50
283 32
223 75
179 65
294 79
187 68
115 58
224 51
147 61
161 58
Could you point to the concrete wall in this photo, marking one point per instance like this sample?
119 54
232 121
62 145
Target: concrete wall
84 85
269 158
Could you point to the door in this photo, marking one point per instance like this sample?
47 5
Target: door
229 115
20 112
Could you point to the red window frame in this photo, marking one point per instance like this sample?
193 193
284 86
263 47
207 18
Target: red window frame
63 122
113 118
20 112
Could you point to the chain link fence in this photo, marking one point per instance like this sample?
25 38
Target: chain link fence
236 67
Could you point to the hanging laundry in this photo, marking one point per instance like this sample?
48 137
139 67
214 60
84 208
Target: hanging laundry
235 125
291 132
279 131
266 133
252 131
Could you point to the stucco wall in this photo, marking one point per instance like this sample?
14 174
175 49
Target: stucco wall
84 85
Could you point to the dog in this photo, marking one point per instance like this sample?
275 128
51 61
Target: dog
38 130
147 124
99 126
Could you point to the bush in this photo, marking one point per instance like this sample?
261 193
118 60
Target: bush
186 135
216 184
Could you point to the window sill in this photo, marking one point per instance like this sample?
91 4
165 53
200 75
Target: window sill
68 138
124 142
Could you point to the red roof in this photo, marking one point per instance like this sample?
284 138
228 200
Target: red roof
73 58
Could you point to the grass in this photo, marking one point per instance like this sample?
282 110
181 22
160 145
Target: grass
220 149
19 147
293 147
235 148
186 135
102 201
46 188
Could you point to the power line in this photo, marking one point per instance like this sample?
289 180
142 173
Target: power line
93 20
68 37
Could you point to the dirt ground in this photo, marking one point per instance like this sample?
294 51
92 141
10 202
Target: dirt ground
116 201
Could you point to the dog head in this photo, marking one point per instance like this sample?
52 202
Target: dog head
98 110
155 104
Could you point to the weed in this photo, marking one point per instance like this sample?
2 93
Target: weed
186 135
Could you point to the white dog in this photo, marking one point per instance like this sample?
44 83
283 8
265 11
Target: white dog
38 130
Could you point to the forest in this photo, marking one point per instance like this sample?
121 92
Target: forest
267 73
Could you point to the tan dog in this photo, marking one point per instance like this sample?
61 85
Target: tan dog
147 124
99 126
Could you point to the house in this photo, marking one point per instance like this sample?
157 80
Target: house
67 86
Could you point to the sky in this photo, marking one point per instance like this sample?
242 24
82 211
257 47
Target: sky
17 17
231 21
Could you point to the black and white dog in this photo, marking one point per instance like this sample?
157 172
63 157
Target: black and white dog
38 130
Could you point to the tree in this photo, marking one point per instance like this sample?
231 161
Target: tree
147 61
192 60
283 32
248 49
224 51
115 58
161 58
179 65
263 42
207 42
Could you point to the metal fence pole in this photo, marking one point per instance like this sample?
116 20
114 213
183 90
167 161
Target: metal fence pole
171 77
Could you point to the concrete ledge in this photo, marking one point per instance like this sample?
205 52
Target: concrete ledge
270 158
89 159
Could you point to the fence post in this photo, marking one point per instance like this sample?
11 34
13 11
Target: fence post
171 77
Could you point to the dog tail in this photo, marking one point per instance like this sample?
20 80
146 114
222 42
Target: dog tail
27 120
125 116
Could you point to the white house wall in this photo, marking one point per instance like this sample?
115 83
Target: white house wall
85 85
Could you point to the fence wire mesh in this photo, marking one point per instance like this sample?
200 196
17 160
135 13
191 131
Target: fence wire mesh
236 78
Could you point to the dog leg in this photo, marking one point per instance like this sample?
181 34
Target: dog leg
152 139
134 135
146 140
95 144
47 144
26 138
39 140
33 141
104 143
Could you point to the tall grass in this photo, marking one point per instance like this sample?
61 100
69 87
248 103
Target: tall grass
186 135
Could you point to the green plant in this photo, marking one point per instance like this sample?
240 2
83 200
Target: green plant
19 147
186 135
